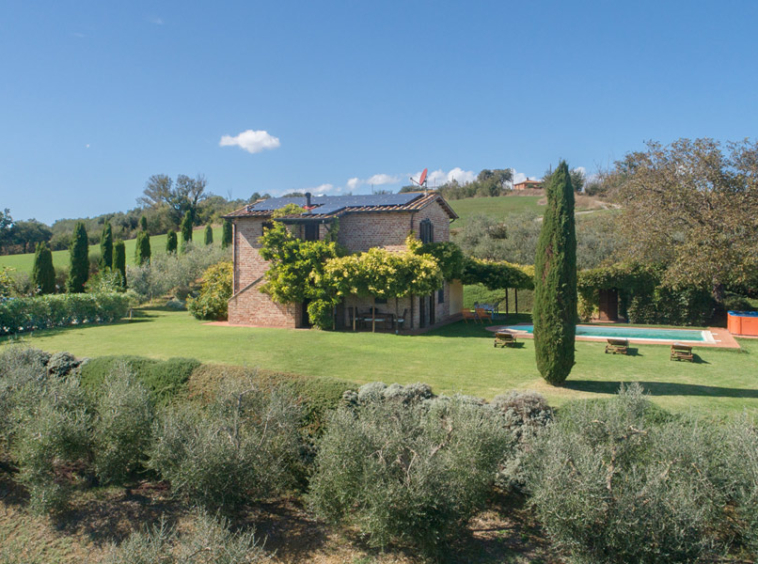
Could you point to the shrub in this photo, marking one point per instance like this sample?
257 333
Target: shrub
142 250
208 235
18 367
611 488
186 229
50 430
555 298
106 246
123 427
208 542
173 272
165 378
410 473
214 293
742 473
43 271
525 415
106 281
79 261
316 396
171 242
226 234
63 364
56 310
119 260
242 446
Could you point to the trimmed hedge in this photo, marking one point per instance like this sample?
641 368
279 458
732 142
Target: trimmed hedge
165 378
42 312
317 395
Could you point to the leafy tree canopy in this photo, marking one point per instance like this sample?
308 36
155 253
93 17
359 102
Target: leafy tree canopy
181 196
692 206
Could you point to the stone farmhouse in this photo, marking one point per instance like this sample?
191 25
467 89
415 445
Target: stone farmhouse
363 222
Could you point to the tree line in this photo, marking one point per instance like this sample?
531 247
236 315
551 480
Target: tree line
112 263
164 203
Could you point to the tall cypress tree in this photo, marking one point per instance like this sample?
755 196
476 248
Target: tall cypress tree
143 223
142 249
106 246
119 260
186 230
208 235
554 312
171 242
226 234
79 251
43 272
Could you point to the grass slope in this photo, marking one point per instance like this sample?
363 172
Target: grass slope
514 203
456 358
25 262
496 207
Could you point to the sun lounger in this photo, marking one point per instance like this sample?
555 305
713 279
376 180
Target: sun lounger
681 352
617 346
503 339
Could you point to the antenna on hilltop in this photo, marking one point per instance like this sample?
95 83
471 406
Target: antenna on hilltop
421 181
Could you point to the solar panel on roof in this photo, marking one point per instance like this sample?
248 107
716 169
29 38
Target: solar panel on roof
332 204
369 199
276 203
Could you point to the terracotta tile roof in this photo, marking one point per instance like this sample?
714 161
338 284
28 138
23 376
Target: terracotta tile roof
338 206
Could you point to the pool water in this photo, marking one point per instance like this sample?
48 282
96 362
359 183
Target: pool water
601 332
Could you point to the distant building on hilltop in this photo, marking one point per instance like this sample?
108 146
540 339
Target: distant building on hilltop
528 185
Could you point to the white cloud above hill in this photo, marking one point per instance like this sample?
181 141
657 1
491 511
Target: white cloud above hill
251 141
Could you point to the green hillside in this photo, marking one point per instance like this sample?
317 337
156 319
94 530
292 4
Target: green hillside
496 207
514 203
25 262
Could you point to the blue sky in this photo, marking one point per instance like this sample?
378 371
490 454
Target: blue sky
97 96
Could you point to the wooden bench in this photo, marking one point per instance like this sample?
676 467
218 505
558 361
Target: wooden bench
503 339
682 352
617 346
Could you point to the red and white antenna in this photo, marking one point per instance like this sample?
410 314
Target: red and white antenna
421 183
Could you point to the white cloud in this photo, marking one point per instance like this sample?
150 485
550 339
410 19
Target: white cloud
439 176
376 180
521 177
323 189
353 183
251 141
382 179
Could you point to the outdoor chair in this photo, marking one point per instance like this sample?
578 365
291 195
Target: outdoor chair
504 339
682 352
468 314
617 346
401 320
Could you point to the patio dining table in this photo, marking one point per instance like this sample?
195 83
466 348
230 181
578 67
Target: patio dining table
379 317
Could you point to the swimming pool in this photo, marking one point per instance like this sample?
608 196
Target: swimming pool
632 333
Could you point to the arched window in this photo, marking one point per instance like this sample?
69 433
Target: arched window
426 231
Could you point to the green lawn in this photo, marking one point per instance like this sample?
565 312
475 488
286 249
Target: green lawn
25 262
457 358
